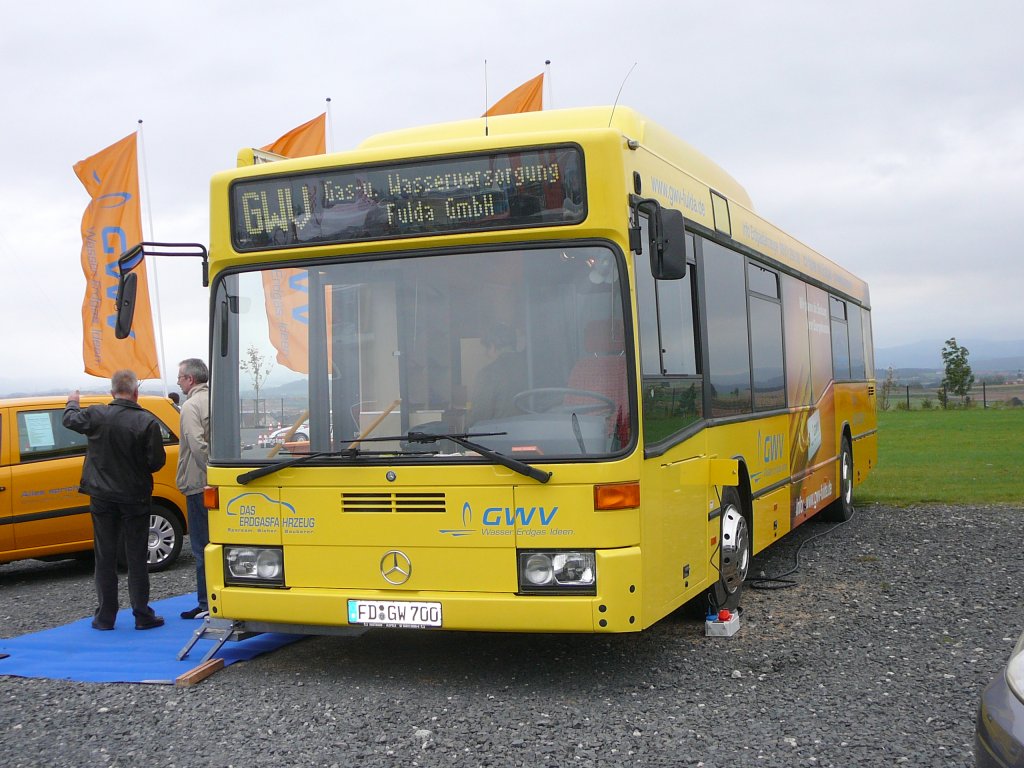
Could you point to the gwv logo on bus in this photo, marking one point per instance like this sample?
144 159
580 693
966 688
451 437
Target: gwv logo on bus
771 450
505 518
467 520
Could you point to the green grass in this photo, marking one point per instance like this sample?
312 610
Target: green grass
956 456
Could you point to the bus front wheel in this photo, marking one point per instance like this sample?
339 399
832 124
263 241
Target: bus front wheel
734 552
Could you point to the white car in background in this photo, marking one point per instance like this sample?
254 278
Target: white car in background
270 439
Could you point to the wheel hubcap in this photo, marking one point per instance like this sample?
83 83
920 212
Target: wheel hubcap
847 480
161 537
735 559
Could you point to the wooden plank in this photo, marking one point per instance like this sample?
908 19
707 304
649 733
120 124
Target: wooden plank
200 673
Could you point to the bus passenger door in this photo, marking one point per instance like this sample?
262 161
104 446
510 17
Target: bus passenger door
676 525
674 493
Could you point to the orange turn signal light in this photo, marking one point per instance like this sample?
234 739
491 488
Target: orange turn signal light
617 496
211 497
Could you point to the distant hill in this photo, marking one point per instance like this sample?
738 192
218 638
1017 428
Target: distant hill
985 356
10 387
296 388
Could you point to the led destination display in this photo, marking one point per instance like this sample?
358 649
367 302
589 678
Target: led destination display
440 196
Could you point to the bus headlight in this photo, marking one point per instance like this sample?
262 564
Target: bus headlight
570 573
254 566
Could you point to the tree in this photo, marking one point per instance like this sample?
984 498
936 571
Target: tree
888 389
959 378
258 366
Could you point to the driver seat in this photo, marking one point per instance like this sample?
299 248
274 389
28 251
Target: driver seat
602 369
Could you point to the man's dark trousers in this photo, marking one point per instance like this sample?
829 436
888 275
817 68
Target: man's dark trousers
109 520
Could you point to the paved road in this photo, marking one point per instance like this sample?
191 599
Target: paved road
875 658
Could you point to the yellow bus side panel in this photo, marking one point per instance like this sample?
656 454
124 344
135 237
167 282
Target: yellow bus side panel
865 456
771 517
855 405
675 522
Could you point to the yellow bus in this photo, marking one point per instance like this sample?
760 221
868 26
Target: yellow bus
553 371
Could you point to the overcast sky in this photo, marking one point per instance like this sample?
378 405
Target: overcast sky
889 135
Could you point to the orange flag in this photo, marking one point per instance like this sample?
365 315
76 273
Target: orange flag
287 299
286 292
111 224
528 97
308 139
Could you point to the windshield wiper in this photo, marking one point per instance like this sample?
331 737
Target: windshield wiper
412 437
498 458
348 453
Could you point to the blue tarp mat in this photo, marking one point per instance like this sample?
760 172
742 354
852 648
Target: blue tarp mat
78 652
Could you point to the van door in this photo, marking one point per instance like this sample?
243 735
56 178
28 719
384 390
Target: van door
50 515
6 529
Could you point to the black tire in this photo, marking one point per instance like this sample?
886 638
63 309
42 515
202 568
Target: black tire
165 538
841 510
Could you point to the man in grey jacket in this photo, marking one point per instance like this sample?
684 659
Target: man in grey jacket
193 455
125 448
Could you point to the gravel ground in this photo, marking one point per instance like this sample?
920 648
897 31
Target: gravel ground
877 657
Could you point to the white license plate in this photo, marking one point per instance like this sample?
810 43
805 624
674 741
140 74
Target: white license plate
394 613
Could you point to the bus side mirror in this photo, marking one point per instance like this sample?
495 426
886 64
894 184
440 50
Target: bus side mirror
127 281
668 244
124 301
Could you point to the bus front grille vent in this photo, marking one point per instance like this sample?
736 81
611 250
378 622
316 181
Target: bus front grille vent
393 502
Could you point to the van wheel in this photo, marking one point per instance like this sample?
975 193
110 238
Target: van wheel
165 538
841 510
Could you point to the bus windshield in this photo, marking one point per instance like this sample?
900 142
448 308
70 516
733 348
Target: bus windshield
522 351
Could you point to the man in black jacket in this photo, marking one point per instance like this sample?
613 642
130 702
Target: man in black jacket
125 448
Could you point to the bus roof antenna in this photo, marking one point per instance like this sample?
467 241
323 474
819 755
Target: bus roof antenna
612 115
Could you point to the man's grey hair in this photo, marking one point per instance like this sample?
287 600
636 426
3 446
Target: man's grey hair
195 368
123 383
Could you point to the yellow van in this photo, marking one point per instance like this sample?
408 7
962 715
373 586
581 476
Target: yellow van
42 514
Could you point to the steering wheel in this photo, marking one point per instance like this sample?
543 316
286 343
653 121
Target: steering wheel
552 401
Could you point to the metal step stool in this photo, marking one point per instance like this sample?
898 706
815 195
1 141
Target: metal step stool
220 629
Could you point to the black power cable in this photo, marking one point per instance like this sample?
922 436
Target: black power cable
780 581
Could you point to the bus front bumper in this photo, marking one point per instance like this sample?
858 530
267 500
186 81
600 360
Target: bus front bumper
615 608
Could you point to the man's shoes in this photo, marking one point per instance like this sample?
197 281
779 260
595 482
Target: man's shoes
149 622
196 613
97 624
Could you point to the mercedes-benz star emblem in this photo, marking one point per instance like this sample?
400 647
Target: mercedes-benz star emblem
395 567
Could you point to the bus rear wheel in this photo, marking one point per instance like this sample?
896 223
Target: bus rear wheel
841 510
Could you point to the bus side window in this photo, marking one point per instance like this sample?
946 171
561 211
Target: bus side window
725 289
840 339
766 349
855 326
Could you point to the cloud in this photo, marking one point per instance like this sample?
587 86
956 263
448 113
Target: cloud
887 136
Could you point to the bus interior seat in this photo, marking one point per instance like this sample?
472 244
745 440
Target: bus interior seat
602 369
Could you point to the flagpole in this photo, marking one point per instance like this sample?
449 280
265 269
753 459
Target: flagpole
330 127
487 106
547 79
151 269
